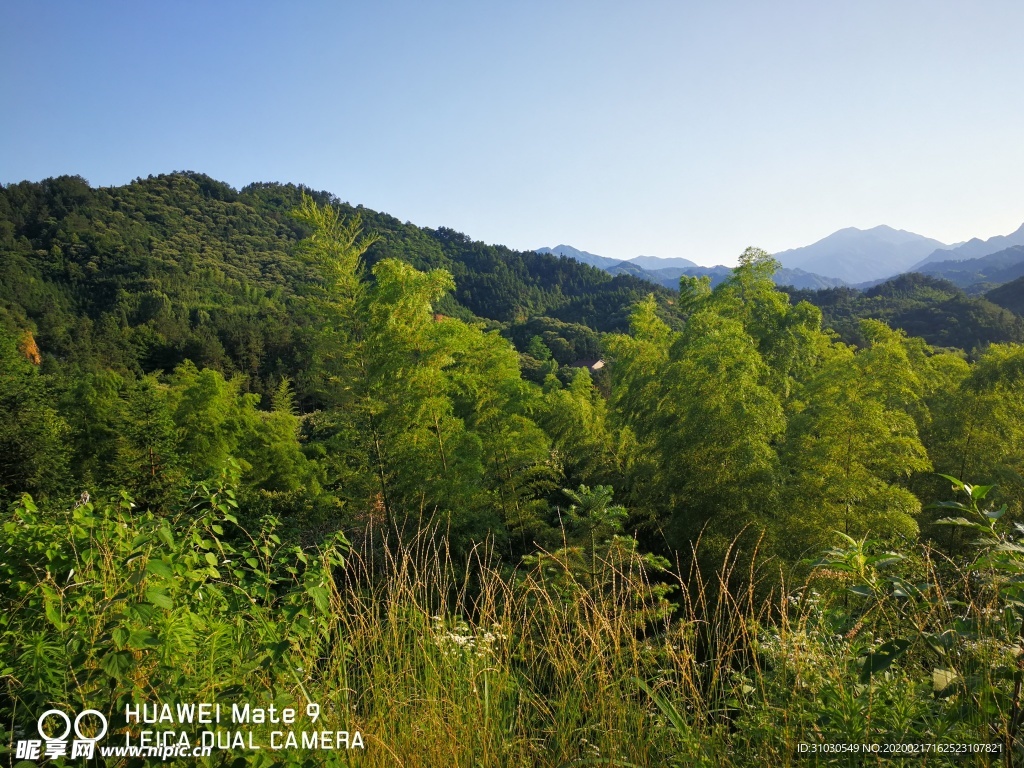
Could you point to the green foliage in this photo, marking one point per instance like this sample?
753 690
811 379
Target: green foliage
978 427
850 444
565 342
575 417
35 455
214 356
105 605
948 631
701 412
1009 296
428 416
595 556
933 309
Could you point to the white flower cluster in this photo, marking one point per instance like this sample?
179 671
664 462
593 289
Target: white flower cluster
804 653
459 639
993 650
811 600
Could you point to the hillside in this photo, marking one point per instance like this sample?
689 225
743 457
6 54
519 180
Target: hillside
979 274
143 276
936 310
1009 296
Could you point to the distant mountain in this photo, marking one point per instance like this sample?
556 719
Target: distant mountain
601 262
861 258
798 278
667 272
654 262
629 268
860 255
995 268
973 249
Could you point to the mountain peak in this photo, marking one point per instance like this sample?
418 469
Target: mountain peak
584 257
860 255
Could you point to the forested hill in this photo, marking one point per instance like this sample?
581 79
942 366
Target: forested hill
491 281
187 278
1009 295
934 309
180 266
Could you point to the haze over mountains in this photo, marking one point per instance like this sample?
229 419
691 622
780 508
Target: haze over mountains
655 262
851 256
859 255
668 271
584 257
974 248
976 275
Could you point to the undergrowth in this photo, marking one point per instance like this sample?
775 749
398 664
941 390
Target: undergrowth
601 656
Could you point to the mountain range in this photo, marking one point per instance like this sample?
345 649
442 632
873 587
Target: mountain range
973 249
667 271
856 257
977 275
187 267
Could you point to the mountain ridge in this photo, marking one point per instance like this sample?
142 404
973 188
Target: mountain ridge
666 272
974 248
860 258
861 255
1000 267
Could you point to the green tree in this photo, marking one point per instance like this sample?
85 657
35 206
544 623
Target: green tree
575 417
502 411
92 405
852 447
148 457
35 454
978 428
699 420
426 413
715 434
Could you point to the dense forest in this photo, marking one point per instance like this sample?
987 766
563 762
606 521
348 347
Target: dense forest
931 308
142 277
1009 295
350 433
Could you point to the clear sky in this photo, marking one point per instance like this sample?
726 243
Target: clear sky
687 129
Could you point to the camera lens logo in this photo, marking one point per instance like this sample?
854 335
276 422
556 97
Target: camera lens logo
57 744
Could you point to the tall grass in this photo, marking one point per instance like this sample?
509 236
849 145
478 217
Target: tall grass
467 664
445 661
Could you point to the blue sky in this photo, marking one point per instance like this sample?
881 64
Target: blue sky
667 129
